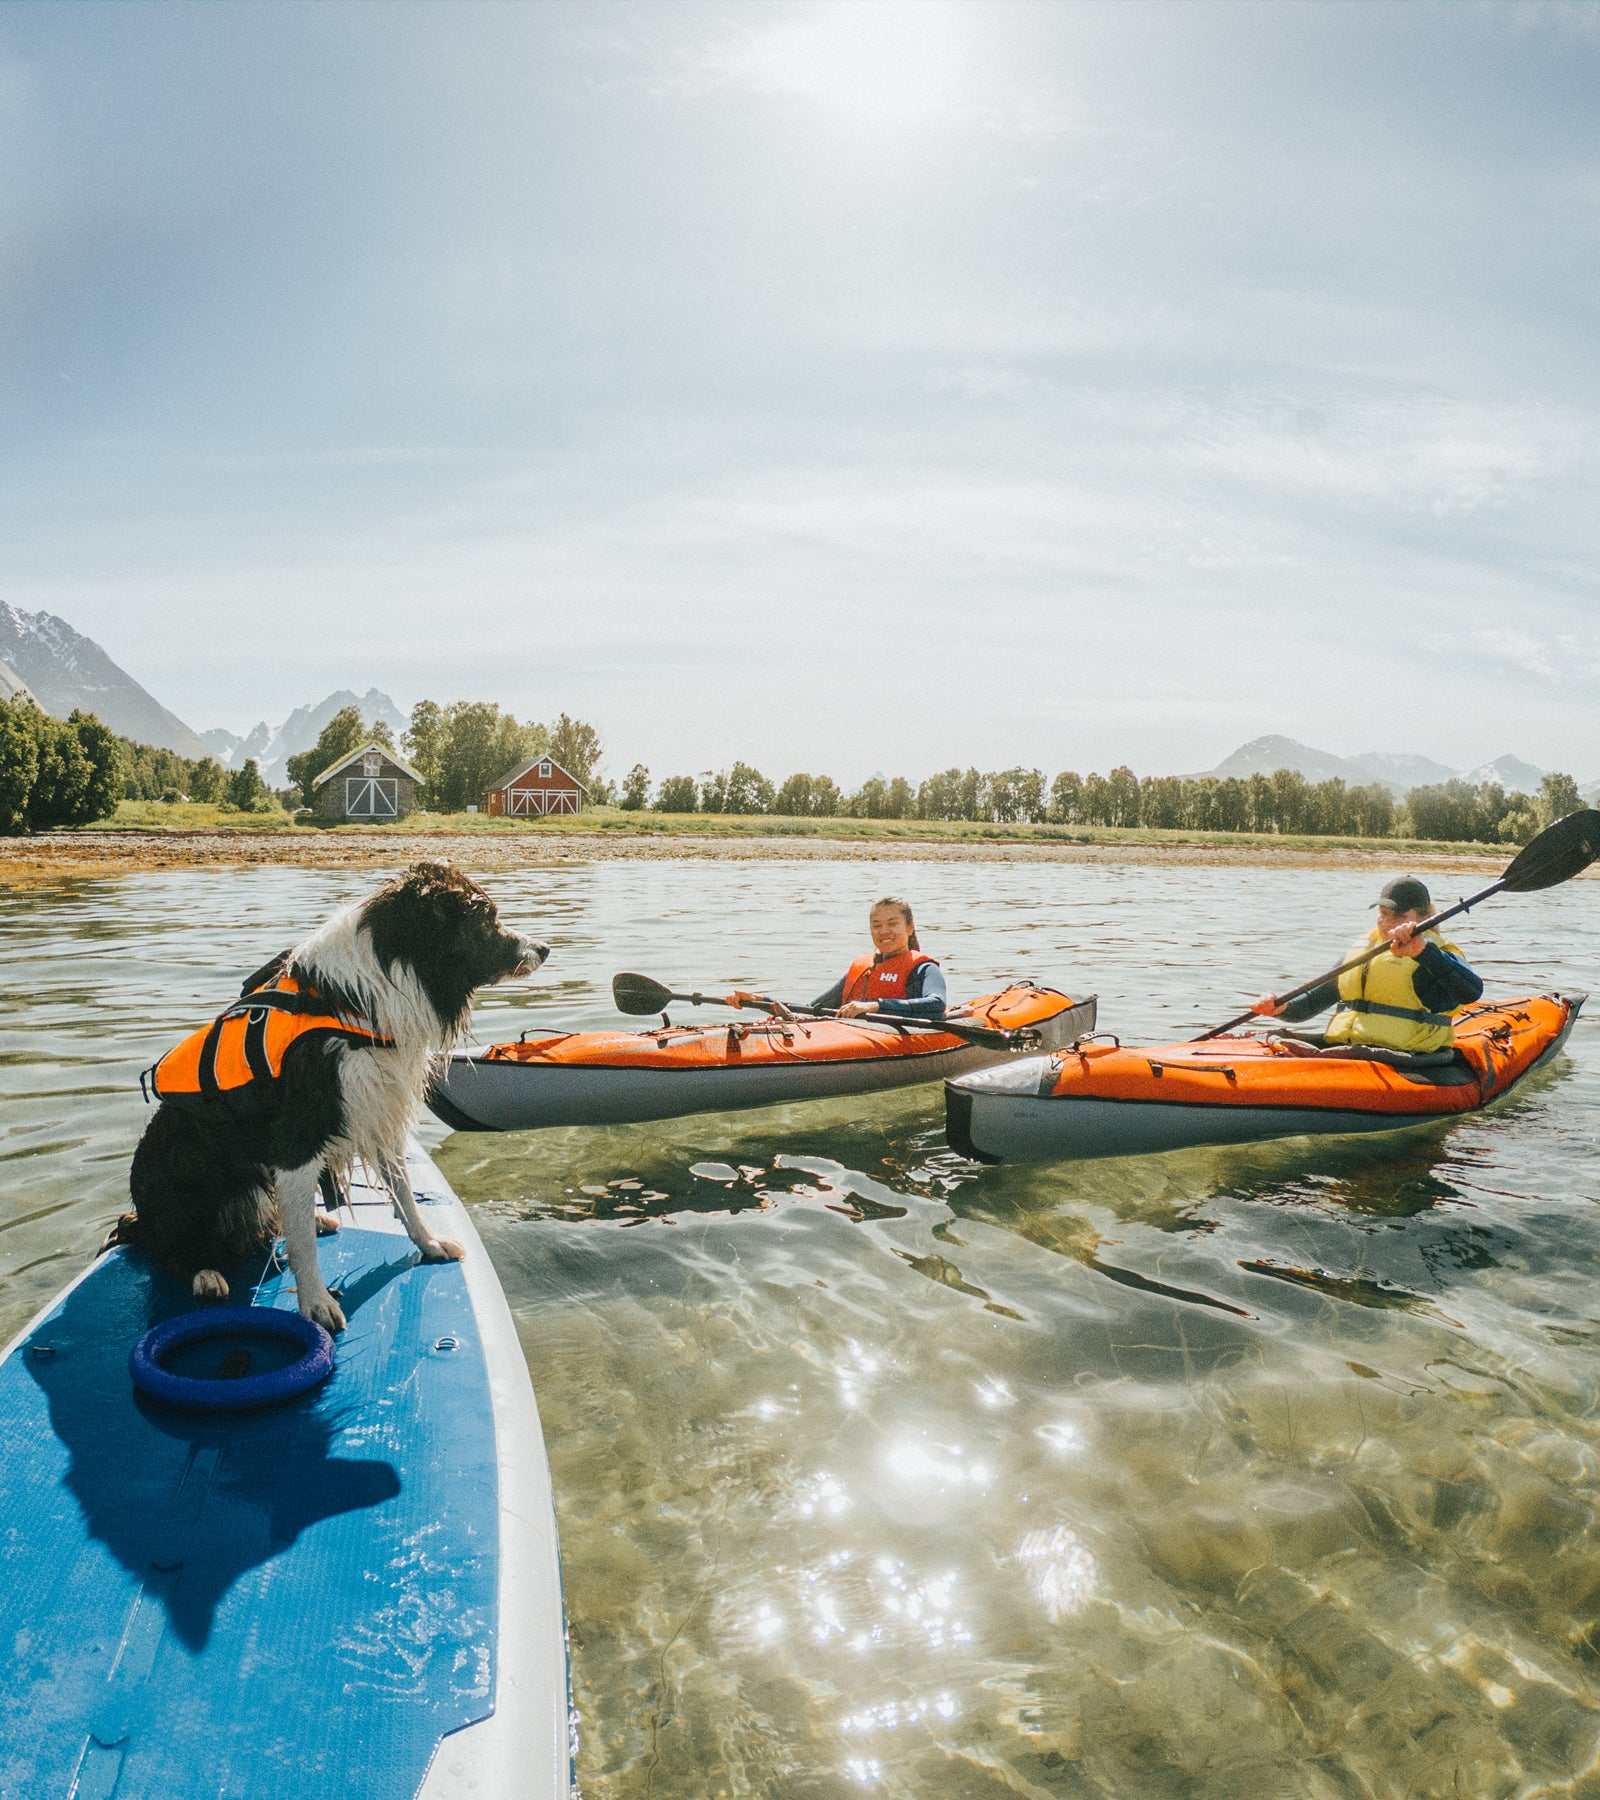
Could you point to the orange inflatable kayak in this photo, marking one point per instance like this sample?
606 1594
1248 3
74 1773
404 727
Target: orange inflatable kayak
1102 1099
663 1072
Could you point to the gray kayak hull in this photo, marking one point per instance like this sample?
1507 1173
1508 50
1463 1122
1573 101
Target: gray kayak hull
475 1094
1009 1115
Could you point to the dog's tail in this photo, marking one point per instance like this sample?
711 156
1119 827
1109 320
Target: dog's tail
124 1231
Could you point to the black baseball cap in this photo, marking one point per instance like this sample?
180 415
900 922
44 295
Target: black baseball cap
1405 894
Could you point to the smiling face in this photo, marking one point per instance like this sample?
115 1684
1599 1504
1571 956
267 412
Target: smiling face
891 929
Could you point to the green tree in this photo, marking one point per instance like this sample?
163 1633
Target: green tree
19 763
748 790
636 788
61 787
939 797
427 740
714 790
1066 799
207 779
826 800
870 800
676 795
482 746
793 799
1558 796
576 746
102 750
343 733
247 791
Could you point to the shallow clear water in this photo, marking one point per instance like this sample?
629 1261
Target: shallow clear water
1239 1472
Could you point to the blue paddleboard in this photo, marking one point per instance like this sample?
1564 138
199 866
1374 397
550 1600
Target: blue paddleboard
353 1594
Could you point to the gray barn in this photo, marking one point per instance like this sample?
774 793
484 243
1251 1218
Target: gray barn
370 784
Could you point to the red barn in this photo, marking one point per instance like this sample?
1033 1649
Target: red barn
533 790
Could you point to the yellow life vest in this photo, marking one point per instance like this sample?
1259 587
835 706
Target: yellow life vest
238 1058
1379 1004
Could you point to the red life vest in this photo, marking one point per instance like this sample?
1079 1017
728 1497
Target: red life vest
239 1056
869 978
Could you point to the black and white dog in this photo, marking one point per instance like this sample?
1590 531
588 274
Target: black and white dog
213 1184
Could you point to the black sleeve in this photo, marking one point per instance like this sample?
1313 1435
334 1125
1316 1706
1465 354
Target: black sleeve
1444 982
833 998
1321 997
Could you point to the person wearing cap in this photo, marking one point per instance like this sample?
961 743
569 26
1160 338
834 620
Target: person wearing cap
1401 1000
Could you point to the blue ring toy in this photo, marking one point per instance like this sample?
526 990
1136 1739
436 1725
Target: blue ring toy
314 1364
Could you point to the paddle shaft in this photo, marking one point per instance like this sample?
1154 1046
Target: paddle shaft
639 993
1429 924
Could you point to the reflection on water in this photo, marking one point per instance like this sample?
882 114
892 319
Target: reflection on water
1244 1471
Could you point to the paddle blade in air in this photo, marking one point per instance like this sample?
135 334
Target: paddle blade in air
638 994
1559 852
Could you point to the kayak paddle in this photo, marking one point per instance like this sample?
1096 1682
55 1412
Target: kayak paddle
639 994
1562 850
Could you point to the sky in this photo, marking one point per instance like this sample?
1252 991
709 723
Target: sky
848 387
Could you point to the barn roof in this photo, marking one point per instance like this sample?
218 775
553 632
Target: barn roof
527 763
383 750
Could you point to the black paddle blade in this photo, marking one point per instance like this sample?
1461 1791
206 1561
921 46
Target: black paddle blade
1559 852
639 994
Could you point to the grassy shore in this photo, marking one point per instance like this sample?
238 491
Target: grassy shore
148 835
611 821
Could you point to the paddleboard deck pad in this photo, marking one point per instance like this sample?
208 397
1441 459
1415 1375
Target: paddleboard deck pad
356 1593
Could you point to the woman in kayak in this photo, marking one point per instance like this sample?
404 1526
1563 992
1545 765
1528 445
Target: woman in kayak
897 978
1401 1000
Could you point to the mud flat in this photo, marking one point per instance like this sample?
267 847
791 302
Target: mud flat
53 856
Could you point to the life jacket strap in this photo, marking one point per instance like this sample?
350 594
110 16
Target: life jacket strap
1416 1014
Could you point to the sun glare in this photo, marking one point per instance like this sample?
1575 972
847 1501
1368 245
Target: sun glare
891 62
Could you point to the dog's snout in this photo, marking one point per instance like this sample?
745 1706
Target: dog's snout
533 956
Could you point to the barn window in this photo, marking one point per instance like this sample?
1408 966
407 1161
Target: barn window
371 764
544 771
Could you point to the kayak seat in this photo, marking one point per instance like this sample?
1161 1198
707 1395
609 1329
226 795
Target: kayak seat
1439 1068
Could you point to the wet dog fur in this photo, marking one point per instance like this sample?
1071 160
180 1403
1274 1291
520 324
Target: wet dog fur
211 1189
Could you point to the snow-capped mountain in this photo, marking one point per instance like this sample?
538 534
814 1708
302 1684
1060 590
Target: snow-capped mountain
273 745
64 670
1395 770
1511 772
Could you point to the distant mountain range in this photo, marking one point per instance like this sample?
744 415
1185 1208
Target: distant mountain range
65 670
1398 773
273 745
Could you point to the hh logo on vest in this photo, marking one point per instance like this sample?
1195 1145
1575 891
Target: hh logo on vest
867 979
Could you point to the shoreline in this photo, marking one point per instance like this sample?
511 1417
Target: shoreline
89 855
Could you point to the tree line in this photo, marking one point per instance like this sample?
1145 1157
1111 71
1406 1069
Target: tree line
1282 803
55 771
72 771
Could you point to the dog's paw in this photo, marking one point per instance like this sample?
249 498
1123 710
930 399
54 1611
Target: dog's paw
322 1309
327 1224
440 1250
209 1285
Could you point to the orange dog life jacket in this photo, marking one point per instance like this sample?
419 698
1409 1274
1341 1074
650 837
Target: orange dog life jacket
239 1056
867 979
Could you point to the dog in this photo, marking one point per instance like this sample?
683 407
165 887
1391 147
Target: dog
324 1060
